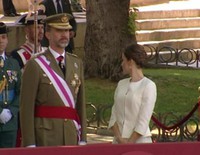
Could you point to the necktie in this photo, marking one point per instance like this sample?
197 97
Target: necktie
59 10
61 64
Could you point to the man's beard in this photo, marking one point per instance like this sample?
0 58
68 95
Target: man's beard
63 45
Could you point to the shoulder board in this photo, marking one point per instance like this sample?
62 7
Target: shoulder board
74 55
38 54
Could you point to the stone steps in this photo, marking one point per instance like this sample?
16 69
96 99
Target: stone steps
176 28
167 34
157 14
166 23
193 43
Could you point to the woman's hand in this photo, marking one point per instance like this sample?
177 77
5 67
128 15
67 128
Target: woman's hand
121 140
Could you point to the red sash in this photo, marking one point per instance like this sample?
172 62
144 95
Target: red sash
56 112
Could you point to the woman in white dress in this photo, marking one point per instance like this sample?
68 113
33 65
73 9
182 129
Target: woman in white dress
134 100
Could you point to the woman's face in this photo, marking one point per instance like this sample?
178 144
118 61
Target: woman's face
126 65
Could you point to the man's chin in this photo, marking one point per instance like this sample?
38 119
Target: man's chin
63 45
2 48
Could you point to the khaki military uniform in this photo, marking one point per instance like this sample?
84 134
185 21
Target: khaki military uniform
37 89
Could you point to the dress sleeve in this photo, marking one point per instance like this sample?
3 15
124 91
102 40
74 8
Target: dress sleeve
113 112
29 88
146 109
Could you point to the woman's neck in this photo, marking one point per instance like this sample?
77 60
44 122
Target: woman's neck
136 75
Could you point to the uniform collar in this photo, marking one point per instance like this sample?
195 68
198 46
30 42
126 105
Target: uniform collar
55 54
3 55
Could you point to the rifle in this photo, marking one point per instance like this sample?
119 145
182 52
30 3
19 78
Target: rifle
36 26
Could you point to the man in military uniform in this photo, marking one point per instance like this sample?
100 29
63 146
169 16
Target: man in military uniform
27 50
10 77
52 106
52 7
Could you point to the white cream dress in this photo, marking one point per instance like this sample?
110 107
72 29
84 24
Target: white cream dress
133 107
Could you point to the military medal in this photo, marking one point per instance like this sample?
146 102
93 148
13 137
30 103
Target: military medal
76 82
12 75
76 76
76 66
9 75
73 83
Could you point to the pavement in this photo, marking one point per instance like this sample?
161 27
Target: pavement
96 138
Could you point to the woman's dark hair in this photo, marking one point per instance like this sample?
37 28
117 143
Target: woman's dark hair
137 53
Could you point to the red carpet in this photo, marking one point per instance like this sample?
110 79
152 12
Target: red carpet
110 149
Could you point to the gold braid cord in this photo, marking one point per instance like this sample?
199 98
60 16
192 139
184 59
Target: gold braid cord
3 84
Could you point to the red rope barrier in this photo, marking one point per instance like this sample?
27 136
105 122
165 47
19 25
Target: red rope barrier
161 125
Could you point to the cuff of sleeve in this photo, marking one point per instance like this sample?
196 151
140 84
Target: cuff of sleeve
111 123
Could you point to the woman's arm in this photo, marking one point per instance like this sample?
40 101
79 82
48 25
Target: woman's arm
134 136
117 134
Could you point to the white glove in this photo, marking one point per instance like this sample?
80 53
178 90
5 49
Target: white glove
31 146
82 143
5 116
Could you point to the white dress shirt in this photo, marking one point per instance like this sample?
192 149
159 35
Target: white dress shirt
56 55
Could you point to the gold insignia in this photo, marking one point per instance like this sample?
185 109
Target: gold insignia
71 54
64 19
76 76
75 65
42 7
76 82
73 83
